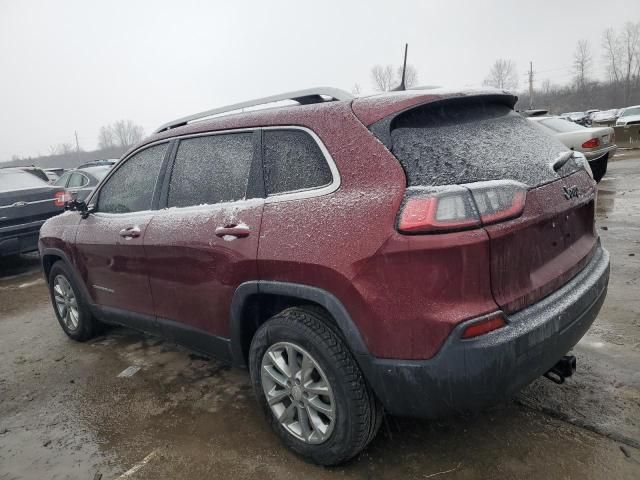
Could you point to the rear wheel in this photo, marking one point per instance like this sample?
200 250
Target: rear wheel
310 387
71 310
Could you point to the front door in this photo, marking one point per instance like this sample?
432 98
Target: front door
109 242
205 243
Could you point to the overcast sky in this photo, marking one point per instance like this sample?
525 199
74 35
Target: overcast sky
70 66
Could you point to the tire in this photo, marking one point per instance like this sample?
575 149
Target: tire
82 326
355 414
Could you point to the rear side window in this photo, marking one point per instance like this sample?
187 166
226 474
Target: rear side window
211 169
293 161
77 180
130 188
454 142
18 180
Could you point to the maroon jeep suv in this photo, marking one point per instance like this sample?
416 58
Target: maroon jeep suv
420 252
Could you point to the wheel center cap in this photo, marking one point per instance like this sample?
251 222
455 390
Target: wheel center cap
296 393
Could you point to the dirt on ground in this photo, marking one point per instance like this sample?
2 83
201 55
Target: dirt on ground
65 412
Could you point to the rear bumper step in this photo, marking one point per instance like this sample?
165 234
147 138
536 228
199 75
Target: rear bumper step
469 375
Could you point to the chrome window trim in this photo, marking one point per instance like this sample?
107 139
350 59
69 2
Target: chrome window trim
336 180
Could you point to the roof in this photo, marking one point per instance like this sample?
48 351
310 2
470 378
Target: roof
368 109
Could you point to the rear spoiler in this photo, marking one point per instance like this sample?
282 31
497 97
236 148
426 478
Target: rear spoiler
382 128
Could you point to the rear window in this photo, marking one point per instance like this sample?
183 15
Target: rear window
211 169
561 126
463 141
293 161
19 180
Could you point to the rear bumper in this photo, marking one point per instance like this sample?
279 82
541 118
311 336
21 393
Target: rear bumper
20 238
596 154
468 375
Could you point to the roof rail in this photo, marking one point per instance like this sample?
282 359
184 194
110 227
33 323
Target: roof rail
303 97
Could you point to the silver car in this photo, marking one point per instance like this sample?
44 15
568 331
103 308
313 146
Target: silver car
596 143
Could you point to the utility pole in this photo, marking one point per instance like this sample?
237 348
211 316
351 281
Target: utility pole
530 85
77 145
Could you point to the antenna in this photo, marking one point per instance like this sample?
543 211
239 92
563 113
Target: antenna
404 70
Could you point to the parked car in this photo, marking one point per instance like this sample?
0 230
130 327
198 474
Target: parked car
421 252
26 202
81 182
606 116
596 143
577 117
629 116
51 176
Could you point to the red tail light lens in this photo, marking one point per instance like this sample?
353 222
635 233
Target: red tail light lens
486 325
460 207
593 143
61 198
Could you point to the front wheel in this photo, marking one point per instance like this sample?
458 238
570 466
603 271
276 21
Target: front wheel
71 310
310 387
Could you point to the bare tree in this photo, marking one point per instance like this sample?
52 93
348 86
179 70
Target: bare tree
630 48
106 138
126 133
582 63
546 86
410 76
53 150
356 90
64 148
612 53
503 75
382 77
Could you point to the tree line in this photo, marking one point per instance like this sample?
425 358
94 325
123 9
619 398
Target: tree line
113 140
619 54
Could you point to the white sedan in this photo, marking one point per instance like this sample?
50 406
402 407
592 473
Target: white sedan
596 143
629 116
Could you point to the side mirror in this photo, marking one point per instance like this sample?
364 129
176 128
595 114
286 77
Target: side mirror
78 206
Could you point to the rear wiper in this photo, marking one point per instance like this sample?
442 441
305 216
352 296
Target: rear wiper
560 162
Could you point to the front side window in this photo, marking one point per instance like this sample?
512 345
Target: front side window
293 161
211 169
130 188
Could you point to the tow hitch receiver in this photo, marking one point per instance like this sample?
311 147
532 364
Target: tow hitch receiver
563 369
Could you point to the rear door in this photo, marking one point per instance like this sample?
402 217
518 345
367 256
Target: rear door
109 241
463 141
205 243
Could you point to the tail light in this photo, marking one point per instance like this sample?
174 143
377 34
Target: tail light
486 325
61 198
593 143
460 207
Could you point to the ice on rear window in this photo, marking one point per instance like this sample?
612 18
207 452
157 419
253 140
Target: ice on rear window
466 141
18 180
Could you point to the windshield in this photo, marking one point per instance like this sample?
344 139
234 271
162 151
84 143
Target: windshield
19 180
561 126
631 111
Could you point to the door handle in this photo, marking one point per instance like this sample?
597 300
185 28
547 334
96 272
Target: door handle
130 232
238 231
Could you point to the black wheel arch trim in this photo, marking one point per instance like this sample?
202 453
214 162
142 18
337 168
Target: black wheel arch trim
325 299
77 278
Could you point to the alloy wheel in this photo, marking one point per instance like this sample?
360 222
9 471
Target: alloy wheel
298 392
